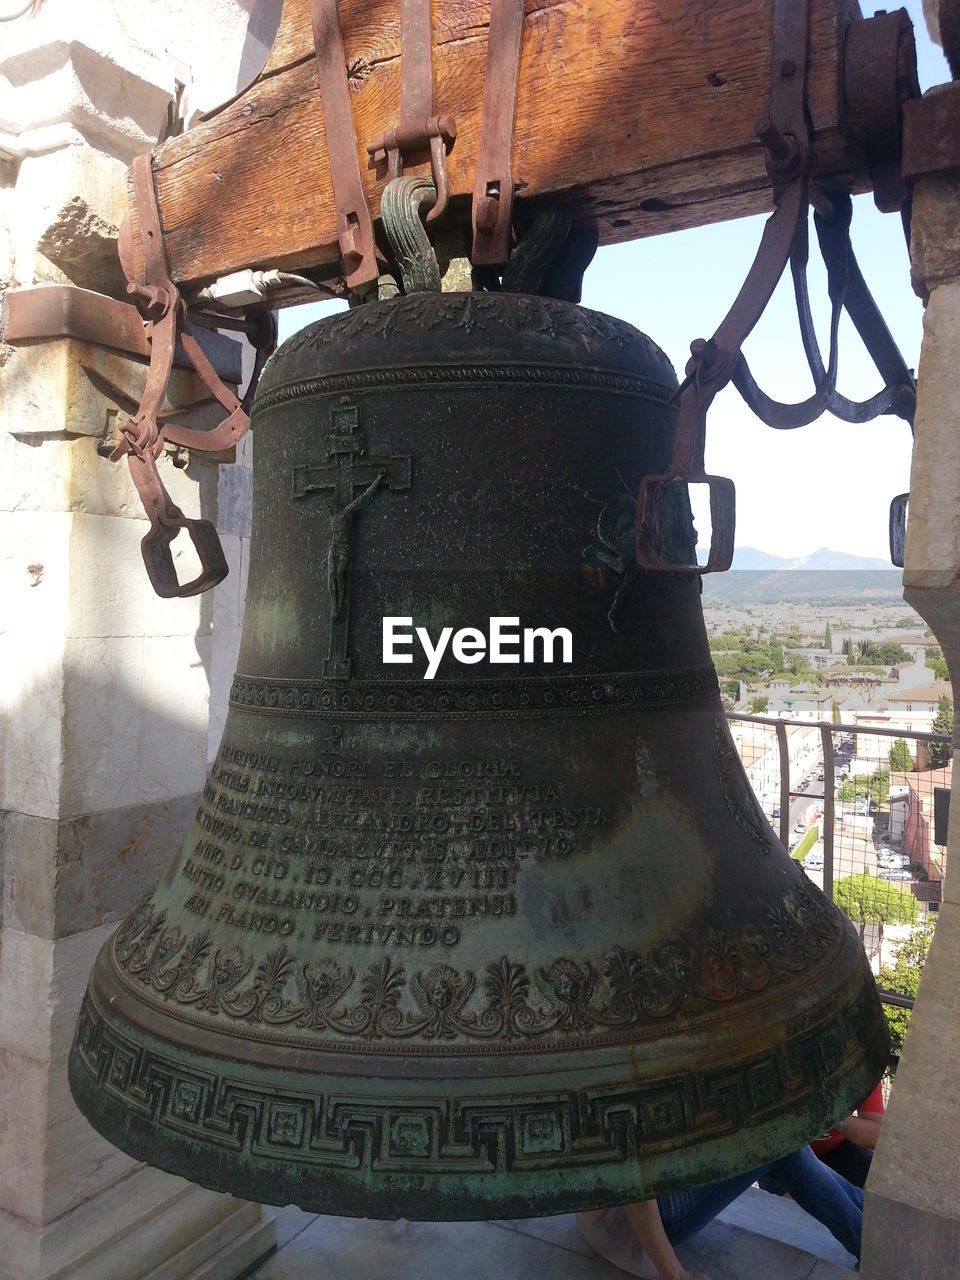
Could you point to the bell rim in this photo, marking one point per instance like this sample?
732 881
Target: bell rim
547 1186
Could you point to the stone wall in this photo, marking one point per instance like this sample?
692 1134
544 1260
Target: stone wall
105 694
912 1204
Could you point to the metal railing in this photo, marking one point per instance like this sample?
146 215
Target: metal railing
827 732
812 777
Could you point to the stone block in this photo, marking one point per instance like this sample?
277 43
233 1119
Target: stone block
73 74
101 722
33 586
207 46
59 1161
912 1205
244 571
935 231
932 556
148 1226
111 595
26 978
60 385
78 1163
107 860
175 696
235 499
61 878
29 873
70 474
70 202
30 743
23 1095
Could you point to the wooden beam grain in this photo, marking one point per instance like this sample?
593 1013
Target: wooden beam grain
640 113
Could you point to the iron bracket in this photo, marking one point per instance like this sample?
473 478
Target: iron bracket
493 184
879 79
66 311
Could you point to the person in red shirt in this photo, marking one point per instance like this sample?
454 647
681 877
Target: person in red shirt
848 1148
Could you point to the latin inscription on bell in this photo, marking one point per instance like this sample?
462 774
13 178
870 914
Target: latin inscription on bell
373 852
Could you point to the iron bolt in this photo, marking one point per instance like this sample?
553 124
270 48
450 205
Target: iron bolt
781 147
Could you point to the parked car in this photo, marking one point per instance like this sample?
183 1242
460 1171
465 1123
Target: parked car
800 829
813 861
890 858
776 812
895 873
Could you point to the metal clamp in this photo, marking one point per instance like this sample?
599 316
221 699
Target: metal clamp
420 127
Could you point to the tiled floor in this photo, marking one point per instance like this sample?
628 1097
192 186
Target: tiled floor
759 1237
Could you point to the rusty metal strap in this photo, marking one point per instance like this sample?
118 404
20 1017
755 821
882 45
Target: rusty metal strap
786 136
493 184
848 290
354 225
143 435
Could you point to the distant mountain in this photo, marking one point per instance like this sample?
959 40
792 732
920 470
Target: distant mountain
824 575
752 559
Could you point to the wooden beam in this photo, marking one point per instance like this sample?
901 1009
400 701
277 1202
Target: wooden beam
640 113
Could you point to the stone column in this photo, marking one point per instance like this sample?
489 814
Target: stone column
912 1207
104 688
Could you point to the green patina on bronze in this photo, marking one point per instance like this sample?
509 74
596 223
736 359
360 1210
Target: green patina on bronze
512 941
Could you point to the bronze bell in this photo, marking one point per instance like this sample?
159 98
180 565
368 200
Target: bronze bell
513 939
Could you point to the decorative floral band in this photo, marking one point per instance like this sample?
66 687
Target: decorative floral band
577 695
589 1000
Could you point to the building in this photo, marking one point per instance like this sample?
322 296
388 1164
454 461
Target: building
918 825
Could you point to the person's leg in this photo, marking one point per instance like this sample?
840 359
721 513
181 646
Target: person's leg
684 1213
850 1161
824 1195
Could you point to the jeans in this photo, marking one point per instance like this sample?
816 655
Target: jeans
850 1161
815 1187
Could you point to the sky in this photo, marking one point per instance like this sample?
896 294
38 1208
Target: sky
825 485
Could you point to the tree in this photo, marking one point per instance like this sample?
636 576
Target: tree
901 761
909 957
935 661
799 663
776 656
868 900
885 653
940 752
836 714
857 788
828 637
759 705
